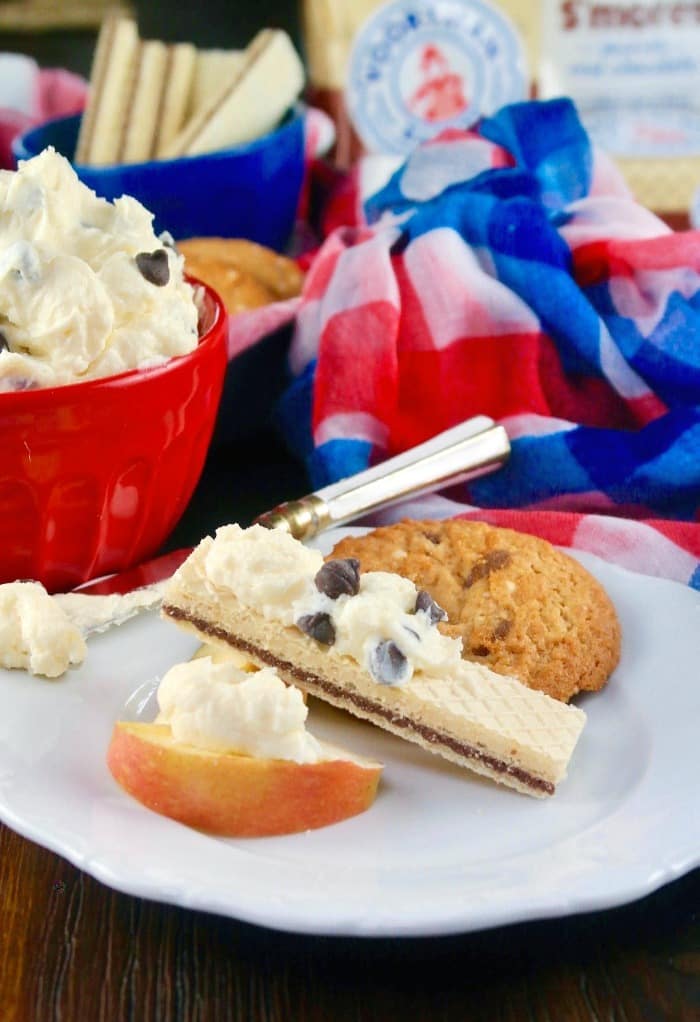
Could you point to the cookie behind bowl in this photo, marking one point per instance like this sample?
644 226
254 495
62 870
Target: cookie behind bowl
245 274
521 606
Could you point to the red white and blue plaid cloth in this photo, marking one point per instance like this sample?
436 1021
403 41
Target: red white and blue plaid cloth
509 272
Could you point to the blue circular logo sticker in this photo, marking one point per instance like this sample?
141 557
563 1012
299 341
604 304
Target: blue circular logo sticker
418 69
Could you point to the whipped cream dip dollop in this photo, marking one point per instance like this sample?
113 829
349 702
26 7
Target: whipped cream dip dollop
218 706
35 632
87 289
378 618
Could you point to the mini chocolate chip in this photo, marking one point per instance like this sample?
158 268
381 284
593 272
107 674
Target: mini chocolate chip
21 383
153 267
318 627
432 537
387 663
492 561
502 628
426 604
480 650
339 578
4 343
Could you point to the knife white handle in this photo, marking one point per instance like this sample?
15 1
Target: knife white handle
466 451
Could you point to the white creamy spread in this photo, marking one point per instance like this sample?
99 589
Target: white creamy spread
35 633
220 707
94 613
274 573
74 304
265 568
383 609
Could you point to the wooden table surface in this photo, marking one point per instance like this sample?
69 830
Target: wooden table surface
75 951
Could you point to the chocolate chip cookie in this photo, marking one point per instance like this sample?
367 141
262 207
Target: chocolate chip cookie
245 274
520 606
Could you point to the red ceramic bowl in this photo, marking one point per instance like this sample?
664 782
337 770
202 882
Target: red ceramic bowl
95 475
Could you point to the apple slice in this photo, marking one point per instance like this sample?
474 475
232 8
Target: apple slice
235 795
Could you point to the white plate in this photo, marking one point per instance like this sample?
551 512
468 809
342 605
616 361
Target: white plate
440 852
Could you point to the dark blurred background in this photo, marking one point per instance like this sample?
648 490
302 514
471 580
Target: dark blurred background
63 34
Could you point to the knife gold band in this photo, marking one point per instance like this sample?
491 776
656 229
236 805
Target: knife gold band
302 518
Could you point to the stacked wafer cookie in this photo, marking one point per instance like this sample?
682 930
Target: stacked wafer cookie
152 100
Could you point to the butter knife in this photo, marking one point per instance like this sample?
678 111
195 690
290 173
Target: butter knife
471 449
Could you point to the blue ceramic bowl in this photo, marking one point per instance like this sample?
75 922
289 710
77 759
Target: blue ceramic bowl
249 191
